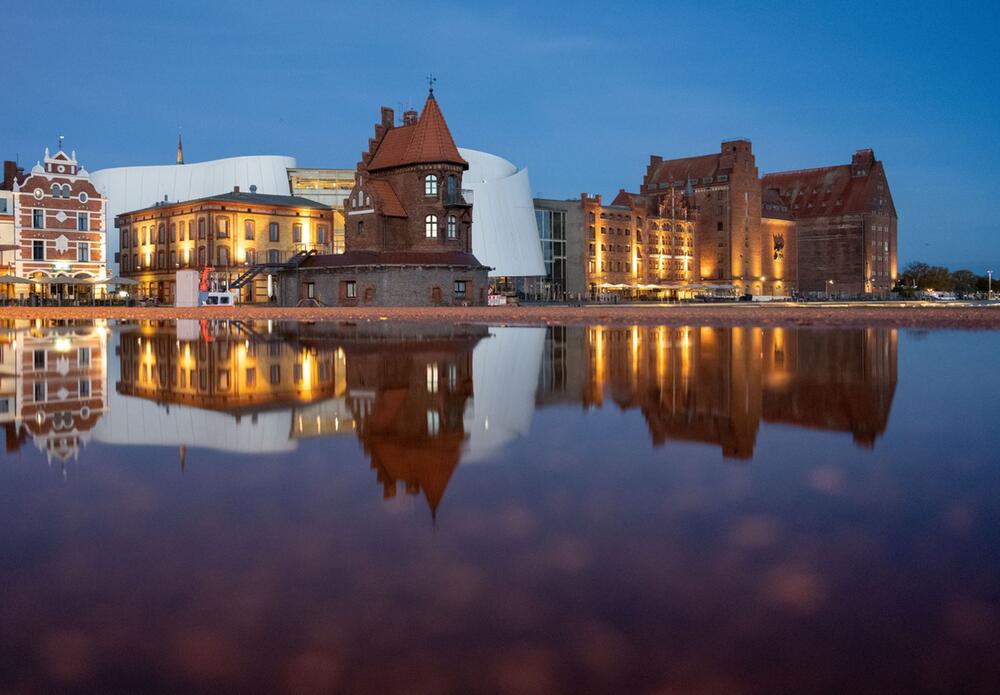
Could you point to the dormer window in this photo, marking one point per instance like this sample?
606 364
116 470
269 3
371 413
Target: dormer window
430 184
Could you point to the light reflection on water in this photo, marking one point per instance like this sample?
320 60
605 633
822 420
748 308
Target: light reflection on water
561 508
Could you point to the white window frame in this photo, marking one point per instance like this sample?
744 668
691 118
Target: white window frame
431 226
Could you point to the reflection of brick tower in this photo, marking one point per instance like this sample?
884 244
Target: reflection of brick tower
409 402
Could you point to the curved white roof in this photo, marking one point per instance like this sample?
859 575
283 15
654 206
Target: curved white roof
134 188
504 232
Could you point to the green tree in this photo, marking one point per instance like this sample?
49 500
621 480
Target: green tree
964 282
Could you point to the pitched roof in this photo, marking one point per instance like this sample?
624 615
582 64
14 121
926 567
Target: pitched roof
427 141
387 196
820 192
374 258
243 199
673 170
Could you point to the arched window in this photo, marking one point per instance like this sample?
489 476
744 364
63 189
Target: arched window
430 184
201 228
361 226
431 226
65 190
222 227
56 191
223 255
452 188
173 258
202 257
160 234
248 230
159 260
452 227
173 232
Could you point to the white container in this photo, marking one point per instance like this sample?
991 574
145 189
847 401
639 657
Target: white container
187 288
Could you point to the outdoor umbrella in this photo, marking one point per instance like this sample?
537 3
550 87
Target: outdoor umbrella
8 279
116 280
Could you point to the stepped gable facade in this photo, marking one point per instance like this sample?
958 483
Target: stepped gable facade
408 228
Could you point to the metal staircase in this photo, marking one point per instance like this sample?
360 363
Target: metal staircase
253 271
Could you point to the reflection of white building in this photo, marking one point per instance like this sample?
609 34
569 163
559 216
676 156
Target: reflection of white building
135 188
505 370
504 232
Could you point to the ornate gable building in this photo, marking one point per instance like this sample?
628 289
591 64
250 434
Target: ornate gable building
59 225
407 226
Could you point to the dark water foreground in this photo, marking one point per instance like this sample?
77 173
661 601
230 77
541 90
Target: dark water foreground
431 509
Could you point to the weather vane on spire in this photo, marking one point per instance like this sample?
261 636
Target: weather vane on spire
430 82
63 137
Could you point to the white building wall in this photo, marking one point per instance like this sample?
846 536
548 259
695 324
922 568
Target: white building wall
504 232
134 188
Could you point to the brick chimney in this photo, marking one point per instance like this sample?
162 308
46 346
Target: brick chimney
11 171
410 117
236 189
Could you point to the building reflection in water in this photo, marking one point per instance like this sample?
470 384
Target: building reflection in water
716 385
419 398
53 385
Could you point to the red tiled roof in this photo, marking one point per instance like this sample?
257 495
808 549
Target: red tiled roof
673 170
820 192
387 196
367 258
428 141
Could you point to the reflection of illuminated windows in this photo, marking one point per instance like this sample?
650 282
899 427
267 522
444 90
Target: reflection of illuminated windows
275 374
452 377
297 373
432 378
83 356
84 388
224 378
39 359
39 391
433 423
251 376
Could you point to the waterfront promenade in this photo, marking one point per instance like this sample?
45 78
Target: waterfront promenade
834 314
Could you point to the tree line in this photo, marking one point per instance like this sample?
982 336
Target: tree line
919 276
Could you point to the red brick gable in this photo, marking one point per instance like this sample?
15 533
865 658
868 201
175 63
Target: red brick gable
429 141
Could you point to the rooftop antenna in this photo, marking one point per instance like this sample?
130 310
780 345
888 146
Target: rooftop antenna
430 83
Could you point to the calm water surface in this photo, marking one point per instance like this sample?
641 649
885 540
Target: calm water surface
434 509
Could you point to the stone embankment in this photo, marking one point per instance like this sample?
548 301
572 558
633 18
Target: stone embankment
910 315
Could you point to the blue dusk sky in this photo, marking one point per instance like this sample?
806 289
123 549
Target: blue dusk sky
579 93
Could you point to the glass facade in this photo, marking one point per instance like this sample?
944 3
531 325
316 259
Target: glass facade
552 234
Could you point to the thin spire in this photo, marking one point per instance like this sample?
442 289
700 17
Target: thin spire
430 83
180 148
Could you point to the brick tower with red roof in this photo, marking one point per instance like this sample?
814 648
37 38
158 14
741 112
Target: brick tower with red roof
408 191
408 228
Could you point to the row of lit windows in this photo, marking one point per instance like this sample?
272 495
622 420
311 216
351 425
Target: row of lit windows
145 235
431 227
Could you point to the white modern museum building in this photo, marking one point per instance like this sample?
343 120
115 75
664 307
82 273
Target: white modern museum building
504 232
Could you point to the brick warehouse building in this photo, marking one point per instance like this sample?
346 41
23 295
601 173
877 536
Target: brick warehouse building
830 230
846 225
407 226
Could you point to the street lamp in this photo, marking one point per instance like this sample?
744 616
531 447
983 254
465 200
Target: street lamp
829 286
